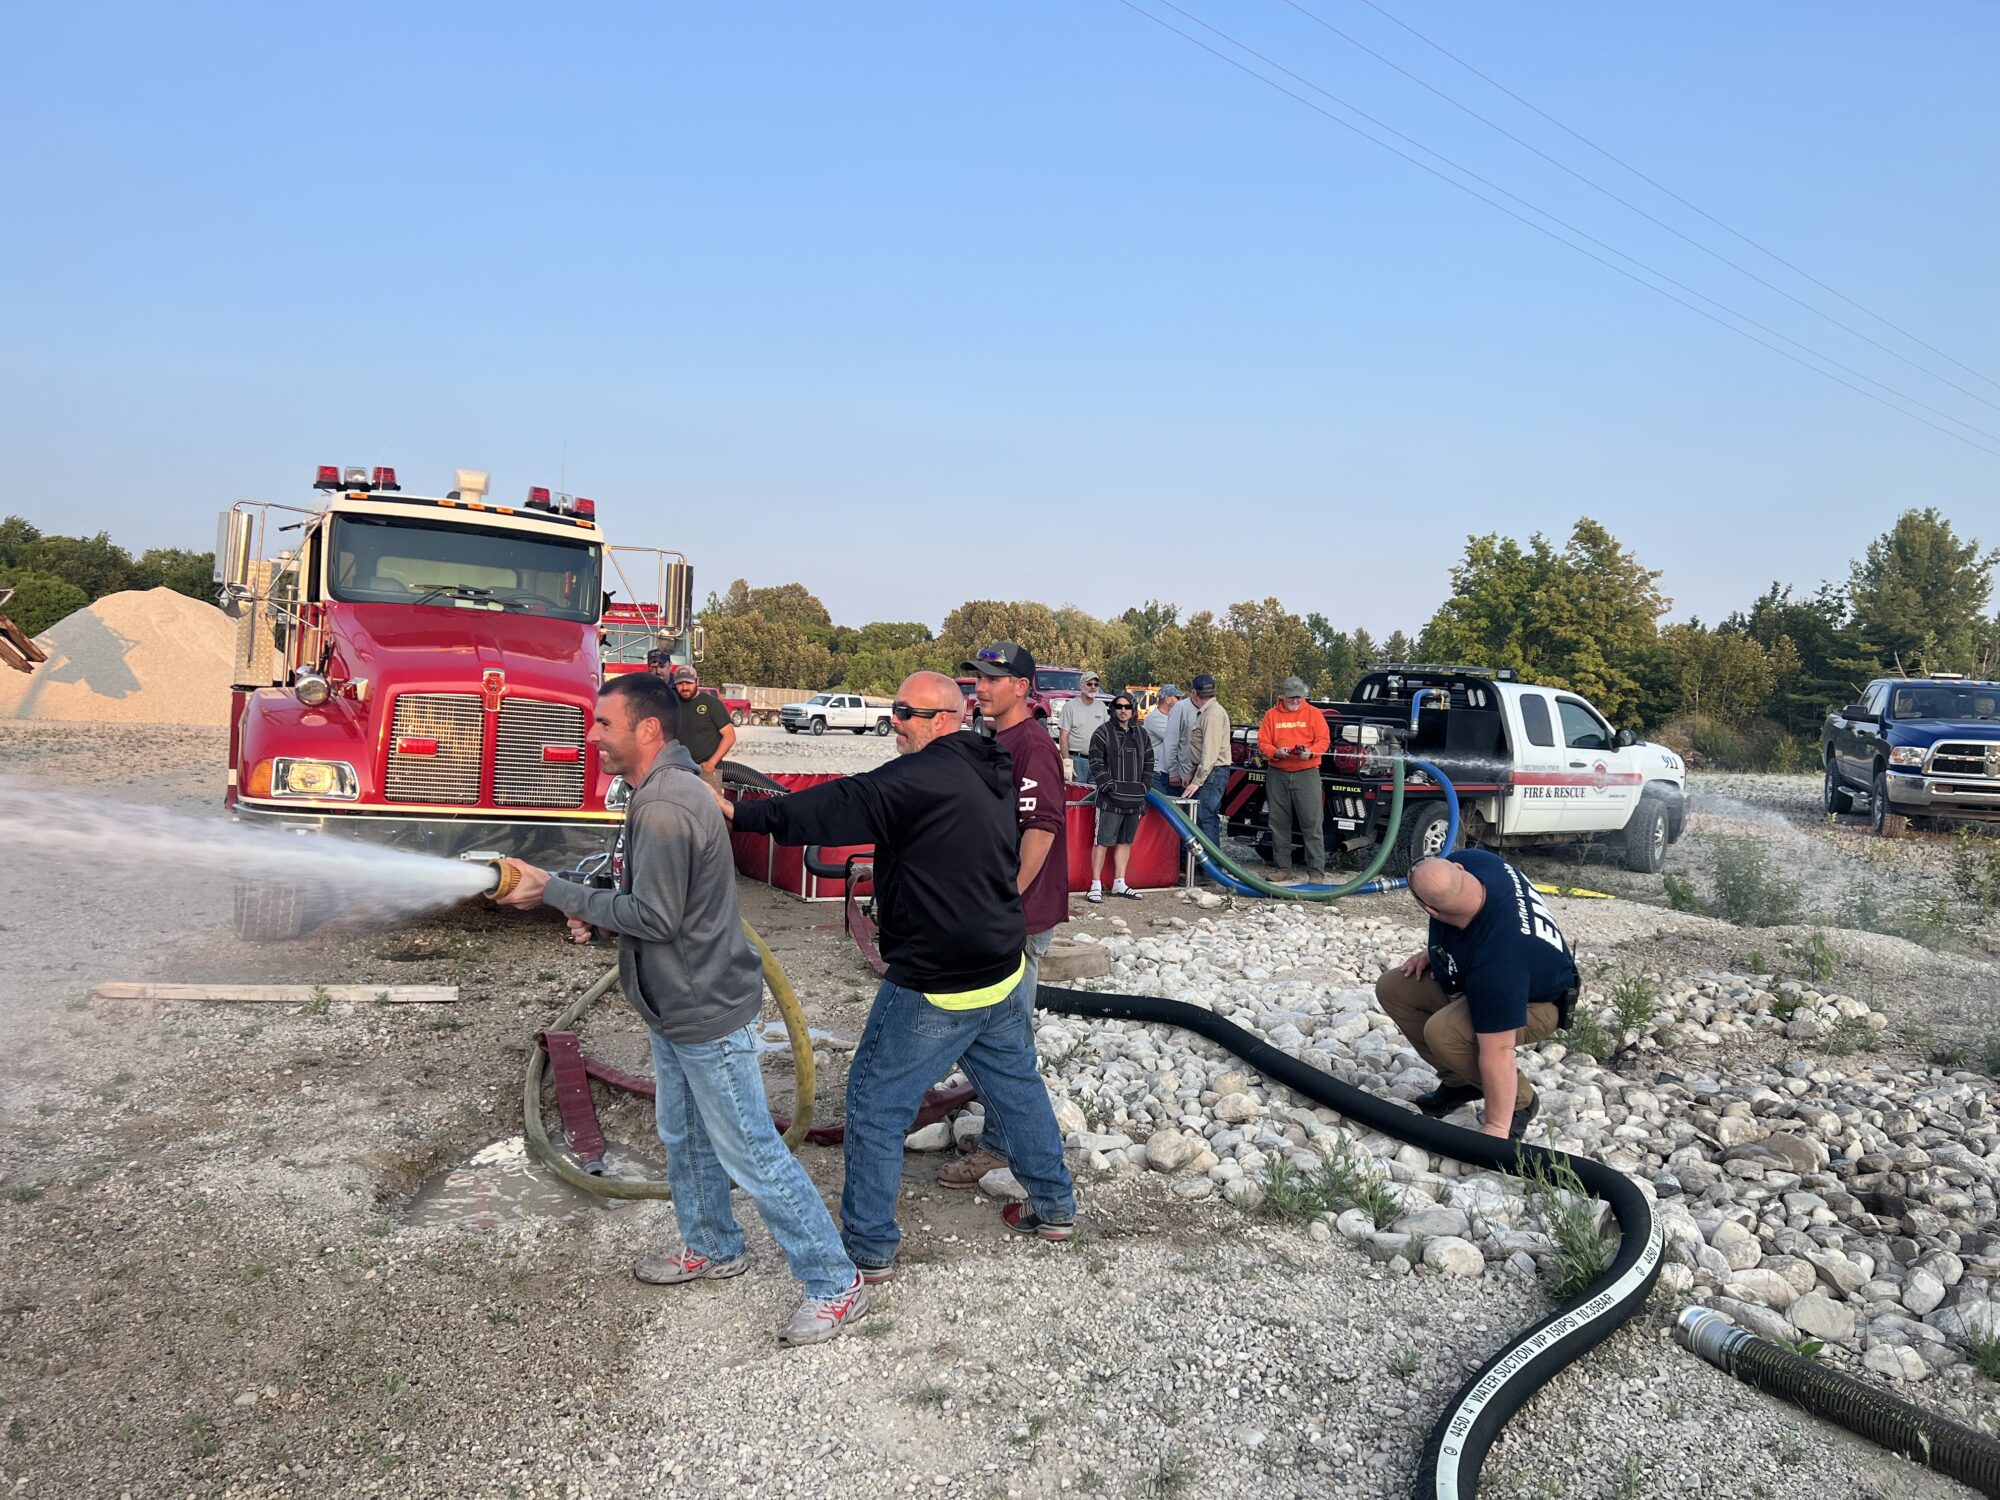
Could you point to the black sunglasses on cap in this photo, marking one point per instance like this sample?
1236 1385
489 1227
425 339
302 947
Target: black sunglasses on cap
906 713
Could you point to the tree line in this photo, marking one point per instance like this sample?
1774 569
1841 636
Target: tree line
1749 690
55 576
1585 615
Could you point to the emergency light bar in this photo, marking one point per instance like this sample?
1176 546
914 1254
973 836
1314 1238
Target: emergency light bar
353 477
587 509
538 498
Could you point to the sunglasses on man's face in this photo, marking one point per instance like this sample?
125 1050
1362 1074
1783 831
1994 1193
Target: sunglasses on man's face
1121 708
906 713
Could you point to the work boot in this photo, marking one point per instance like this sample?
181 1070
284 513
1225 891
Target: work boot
1522 1116
1445 1098
969 1168
821 1318
684 1265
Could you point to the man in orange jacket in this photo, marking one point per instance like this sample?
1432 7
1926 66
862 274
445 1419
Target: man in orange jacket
1292 737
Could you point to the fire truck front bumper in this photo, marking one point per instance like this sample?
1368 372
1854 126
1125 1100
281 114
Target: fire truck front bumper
550 840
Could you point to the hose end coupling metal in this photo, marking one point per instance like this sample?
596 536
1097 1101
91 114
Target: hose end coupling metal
505 876
1710 1334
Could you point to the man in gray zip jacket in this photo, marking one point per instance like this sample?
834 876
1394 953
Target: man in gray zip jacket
686 967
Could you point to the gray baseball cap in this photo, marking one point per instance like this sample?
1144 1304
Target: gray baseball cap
1168 690
1292 687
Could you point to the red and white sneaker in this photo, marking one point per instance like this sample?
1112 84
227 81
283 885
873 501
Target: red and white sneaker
684 1265
1020 1217
821 1318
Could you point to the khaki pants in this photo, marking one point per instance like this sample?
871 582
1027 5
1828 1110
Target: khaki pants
1291 796
1440 1028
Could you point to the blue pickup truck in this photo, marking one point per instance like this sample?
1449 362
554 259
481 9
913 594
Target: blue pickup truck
1916 747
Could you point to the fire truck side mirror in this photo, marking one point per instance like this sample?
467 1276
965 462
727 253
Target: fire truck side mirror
235 547
698 647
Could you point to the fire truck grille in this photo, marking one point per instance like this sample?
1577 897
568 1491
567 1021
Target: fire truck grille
524 775
435 741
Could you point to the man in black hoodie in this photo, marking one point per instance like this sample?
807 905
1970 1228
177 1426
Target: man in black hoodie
941 817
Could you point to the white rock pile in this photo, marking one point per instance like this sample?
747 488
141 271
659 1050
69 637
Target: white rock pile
1809 1194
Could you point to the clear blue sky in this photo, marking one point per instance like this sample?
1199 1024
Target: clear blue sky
924 301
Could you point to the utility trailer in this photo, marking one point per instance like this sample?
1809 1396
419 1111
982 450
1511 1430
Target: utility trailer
1532 765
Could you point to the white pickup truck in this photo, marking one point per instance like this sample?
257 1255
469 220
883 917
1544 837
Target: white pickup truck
824 711
1531 764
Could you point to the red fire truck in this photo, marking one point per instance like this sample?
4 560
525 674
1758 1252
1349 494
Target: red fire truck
419 671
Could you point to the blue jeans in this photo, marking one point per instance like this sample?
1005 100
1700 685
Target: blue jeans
907 1045
1208 802
713 1120
1082 764
1165 787
993 1134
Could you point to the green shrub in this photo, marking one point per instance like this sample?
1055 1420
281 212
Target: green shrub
1585 1033
1568 1215
1975 869
1748 891
1822 959
1634 1000
1680 892
1790 755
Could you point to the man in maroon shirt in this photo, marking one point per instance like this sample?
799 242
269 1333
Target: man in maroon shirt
1005 676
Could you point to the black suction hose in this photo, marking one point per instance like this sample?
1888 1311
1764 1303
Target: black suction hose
1474 1416
1935 1442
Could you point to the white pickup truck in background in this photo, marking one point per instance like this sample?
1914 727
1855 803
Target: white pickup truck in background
1531 764
824 711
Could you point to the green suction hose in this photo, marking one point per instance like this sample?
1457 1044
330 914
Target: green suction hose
1262 887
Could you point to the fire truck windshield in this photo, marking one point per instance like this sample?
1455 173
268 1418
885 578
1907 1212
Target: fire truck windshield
393 560
1058 679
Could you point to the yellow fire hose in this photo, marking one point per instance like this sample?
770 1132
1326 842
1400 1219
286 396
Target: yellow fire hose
536 1131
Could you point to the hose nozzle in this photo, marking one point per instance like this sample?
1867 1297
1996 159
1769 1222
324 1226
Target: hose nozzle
505 876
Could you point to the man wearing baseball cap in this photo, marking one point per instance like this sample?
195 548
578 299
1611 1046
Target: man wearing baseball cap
1081 717
1004 676
1292 737
1169 726
704 729
1209 748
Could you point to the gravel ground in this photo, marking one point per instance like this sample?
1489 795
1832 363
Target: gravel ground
213 1282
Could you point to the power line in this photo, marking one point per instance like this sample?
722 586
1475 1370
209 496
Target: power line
1650 182
1552 218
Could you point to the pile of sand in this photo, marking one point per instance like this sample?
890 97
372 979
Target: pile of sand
150 656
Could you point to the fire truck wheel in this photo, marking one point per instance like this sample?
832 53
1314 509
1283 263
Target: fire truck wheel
270 911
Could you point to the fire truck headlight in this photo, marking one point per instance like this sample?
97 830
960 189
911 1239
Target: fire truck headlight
314 778
312 688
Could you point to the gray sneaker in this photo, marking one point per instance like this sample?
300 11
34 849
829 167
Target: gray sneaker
684 1265
821 1318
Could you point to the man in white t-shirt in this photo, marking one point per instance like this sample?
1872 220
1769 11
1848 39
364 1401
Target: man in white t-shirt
1080 719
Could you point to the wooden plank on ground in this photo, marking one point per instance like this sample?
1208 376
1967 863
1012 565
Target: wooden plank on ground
284 994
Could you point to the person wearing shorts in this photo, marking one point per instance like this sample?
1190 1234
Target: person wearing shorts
1121 768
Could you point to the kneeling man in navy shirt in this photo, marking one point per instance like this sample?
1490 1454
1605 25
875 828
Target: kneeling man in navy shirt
1495 974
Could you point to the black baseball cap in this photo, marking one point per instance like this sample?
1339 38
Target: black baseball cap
659 657
1203 683
1002 659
